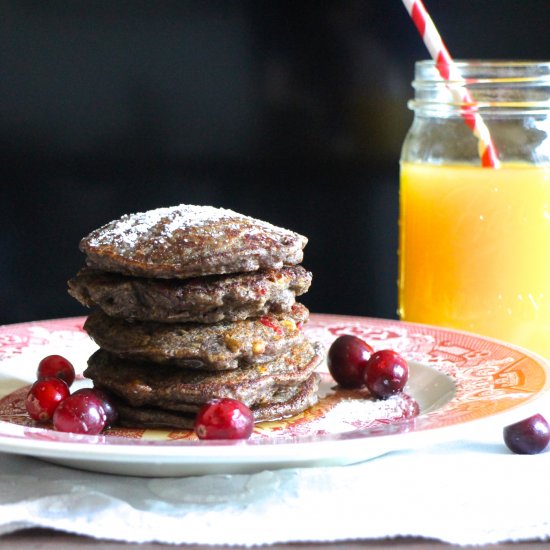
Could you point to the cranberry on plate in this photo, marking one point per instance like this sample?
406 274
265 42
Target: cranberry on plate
346 360
386 373
56 366
224 418
102 400
44 397
80 413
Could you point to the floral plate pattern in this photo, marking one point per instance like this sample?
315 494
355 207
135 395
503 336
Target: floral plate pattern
455 378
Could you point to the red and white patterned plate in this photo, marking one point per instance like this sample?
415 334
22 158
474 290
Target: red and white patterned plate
456 378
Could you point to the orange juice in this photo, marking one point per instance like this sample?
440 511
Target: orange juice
474 251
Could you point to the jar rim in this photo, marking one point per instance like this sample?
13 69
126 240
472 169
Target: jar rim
489 62
486 70
498 87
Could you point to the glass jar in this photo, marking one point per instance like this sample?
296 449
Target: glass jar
474 241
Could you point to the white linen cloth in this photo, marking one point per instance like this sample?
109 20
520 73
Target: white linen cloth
472 491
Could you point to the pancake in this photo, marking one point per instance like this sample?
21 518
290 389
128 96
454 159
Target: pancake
220 346
302 397
145 384
187 241
210 299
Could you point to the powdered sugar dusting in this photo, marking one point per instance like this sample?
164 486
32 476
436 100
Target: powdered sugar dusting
351 414
131 227
344 411
162 223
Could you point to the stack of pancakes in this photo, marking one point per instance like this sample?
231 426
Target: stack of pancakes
194 303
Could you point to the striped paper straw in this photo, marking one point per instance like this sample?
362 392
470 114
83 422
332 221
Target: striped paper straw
448 71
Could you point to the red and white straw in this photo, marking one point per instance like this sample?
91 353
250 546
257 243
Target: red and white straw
448 71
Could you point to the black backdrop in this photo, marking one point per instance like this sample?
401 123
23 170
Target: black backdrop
293 112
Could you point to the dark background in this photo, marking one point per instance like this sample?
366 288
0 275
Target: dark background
293 112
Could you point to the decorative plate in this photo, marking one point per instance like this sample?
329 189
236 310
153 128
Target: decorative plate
455 378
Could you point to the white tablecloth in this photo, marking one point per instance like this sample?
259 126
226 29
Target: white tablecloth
472 491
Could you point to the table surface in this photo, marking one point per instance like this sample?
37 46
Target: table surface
46 539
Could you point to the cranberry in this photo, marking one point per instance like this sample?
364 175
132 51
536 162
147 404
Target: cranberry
44 397
58 366
386 373
346 360
104 401
528 436
80 413
266 321
224 419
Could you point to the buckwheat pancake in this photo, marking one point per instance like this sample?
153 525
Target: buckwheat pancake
145 384
220 346
187 241
290 402
209 299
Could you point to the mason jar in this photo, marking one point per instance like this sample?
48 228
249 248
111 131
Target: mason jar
474 239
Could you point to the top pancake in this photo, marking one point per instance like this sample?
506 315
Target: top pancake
188 241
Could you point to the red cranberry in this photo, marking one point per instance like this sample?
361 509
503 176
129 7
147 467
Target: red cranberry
386 373
44 397
224 419
81 414
58 366
104 401
346 360
528 436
